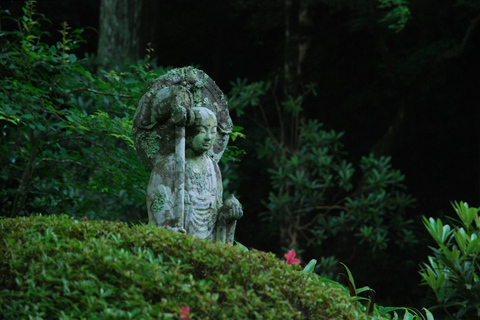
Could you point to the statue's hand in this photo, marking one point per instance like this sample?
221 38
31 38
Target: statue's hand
182 116
232 209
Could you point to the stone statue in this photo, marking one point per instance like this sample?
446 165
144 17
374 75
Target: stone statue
181 129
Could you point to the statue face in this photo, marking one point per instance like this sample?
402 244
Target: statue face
206 132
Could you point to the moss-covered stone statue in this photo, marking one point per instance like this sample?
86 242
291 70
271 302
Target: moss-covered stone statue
181 129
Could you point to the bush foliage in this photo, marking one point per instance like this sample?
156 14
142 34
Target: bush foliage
320 201
453 272
57 267
65 132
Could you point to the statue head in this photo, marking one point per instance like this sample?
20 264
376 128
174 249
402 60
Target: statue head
201 136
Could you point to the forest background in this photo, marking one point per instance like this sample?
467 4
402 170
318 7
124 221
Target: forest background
400 85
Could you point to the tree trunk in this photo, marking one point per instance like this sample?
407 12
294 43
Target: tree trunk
297 42
387 143
119 27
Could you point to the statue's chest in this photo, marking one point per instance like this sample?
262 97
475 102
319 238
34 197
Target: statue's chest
201 185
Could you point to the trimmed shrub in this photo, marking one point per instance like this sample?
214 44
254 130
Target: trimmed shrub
57 267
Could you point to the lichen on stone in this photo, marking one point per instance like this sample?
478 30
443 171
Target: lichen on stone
199 83
197 98
159 202
149 143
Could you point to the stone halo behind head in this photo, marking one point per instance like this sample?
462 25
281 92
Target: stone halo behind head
203 92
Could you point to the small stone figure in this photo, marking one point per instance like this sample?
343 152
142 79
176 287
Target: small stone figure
181 129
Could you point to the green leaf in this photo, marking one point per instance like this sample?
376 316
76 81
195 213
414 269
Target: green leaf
460 237
363 289
9 118
237 128
40 126
310 266
473 247
351 281
466 214
235 135
437 230
241 246
385 310
83 127
429 314
408 315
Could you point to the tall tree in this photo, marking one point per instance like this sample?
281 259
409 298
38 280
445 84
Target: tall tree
118 40
298 21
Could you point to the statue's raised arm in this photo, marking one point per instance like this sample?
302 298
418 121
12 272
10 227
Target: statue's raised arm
181 129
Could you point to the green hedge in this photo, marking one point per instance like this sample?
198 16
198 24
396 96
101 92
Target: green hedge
54 267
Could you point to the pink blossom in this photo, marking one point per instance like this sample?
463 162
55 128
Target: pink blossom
185 313
290 255
85 218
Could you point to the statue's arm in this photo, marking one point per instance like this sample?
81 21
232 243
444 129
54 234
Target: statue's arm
161 197
169 104
230 209
226 224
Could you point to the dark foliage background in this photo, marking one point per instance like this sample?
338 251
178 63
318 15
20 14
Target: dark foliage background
412 95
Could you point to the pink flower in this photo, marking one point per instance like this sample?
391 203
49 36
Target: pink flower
185 313
290 255
85 218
